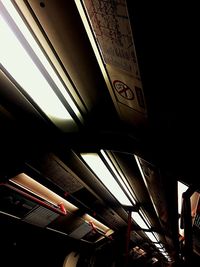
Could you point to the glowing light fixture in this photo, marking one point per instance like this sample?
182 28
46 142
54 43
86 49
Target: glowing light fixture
159 246
97 165
139 220
165 254
119 175
26 63
161 249
151 236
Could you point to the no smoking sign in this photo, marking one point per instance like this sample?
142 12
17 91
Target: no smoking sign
123 90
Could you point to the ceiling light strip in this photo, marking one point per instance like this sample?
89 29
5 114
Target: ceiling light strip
95 162
158 245
98 167
31 69
151 236
120 177
136 216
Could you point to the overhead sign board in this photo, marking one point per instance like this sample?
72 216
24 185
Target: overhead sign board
113 33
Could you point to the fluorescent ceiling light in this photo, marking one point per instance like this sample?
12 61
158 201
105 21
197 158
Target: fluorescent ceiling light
24 60
99 168
165 254
157 236
158 245
181 189
151 237
139 220
120 176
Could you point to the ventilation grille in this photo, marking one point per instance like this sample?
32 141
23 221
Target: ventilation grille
41 217
81 231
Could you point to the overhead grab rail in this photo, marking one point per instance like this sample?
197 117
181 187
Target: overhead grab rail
58 209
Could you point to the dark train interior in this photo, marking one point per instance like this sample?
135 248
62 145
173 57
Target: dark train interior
98 134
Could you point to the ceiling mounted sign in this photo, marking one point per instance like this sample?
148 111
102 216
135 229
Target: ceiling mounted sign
112 32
